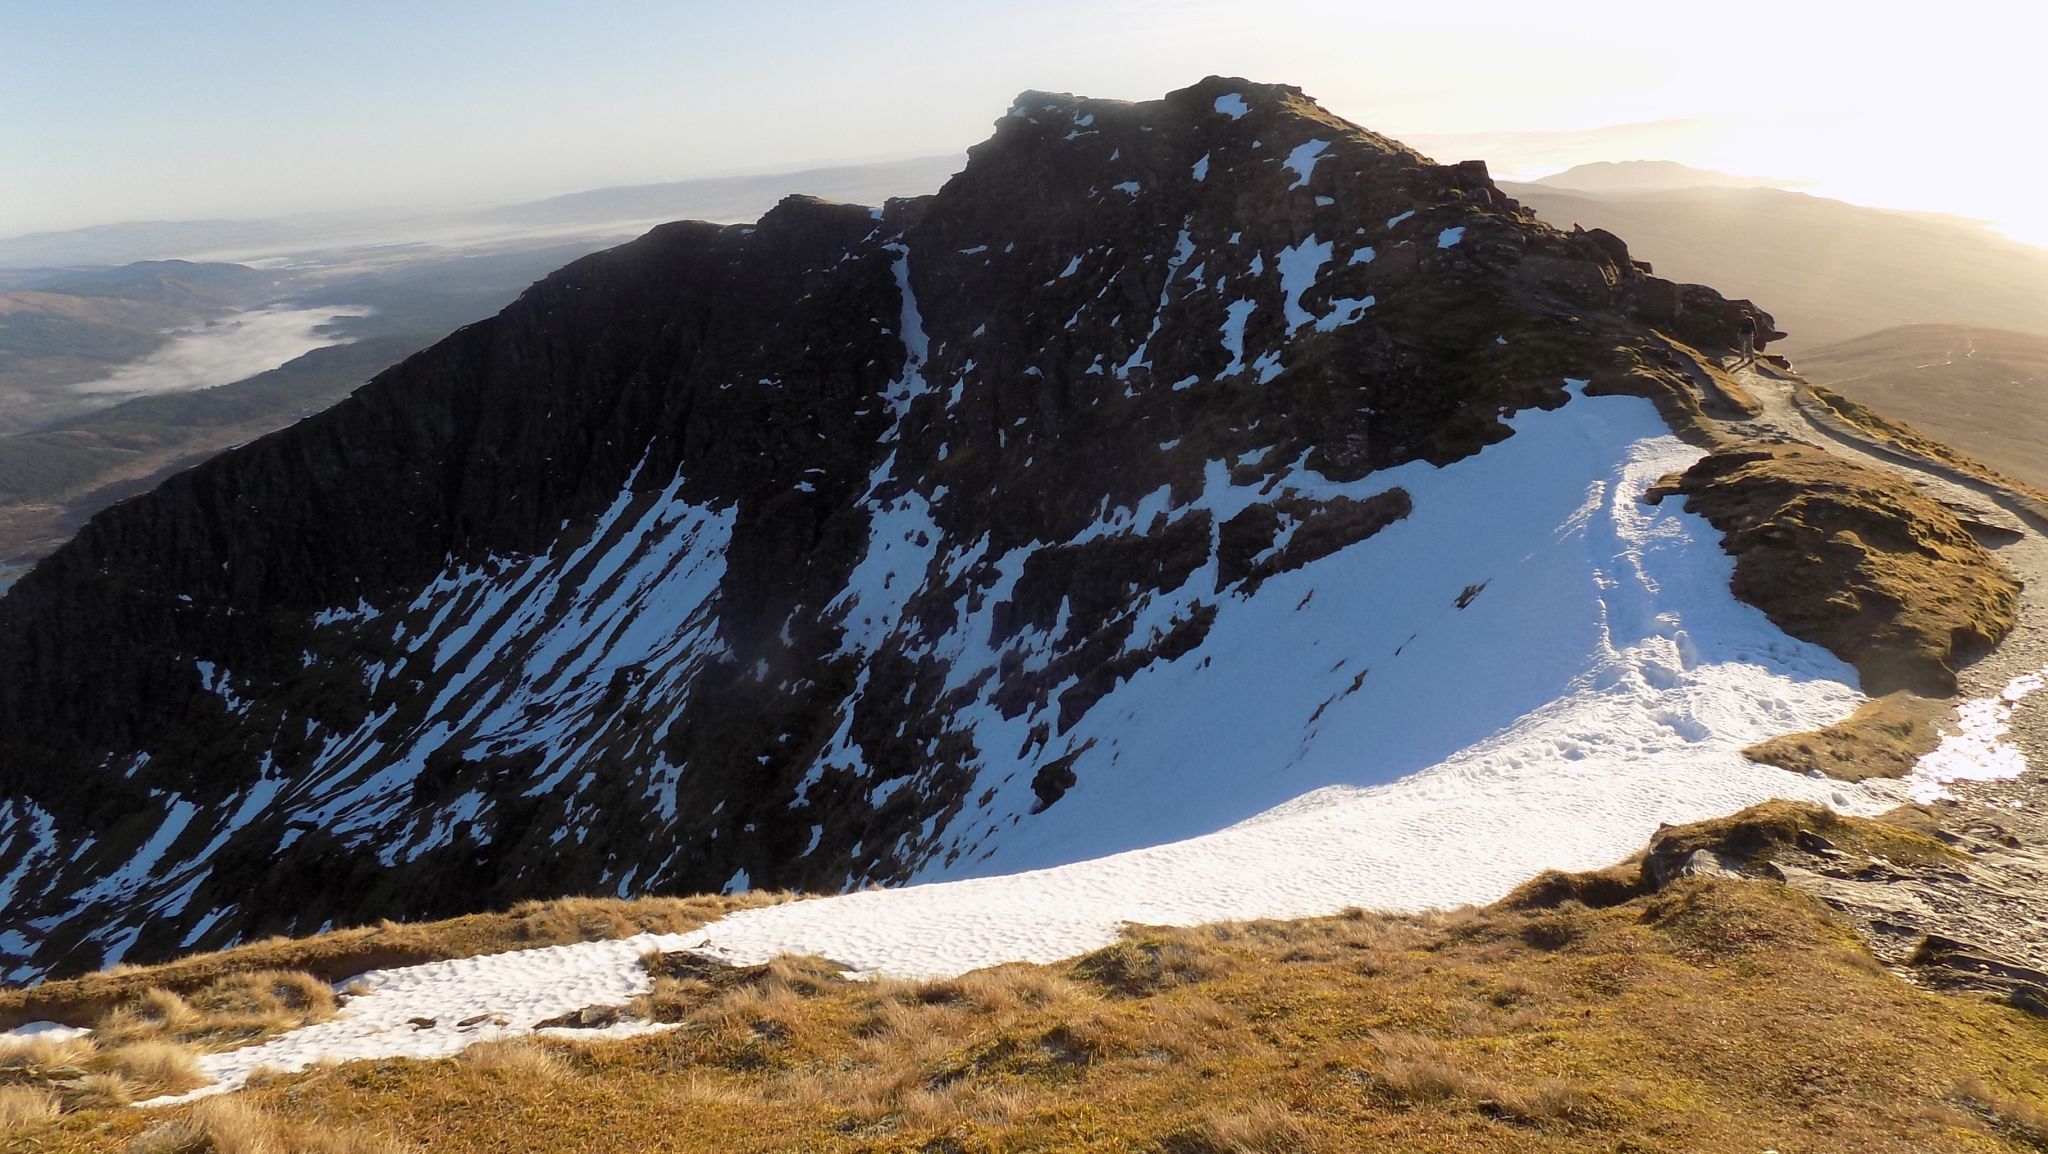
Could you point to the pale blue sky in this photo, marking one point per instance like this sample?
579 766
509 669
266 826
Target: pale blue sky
116 110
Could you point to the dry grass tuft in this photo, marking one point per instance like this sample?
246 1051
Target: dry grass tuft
1261 1128
96 1092
516 1057
85 1076
1160 959
231 1011
155 1067
231 1125
29 1053
23 1106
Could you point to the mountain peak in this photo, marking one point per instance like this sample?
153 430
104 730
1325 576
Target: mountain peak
813 553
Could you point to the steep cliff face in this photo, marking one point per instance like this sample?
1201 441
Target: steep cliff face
813 553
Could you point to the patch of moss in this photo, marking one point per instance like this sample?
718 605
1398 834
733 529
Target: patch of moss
1853 559
1885 737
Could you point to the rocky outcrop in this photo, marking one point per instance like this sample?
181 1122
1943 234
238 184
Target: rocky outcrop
796 554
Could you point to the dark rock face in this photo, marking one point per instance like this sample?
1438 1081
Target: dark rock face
685 568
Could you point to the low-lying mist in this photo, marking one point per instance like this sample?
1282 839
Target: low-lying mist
226 350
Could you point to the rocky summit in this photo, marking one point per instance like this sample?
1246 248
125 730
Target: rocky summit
811 554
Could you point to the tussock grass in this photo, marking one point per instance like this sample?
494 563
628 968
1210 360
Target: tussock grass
82 1075
516 1057
1261 1128
231 1011
1709 1014
235 1126
24 1106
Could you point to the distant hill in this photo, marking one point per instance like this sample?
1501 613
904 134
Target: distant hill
732 198
605 212
1647 175
1828 271
1983 390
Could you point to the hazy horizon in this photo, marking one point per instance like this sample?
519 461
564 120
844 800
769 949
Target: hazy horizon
242 111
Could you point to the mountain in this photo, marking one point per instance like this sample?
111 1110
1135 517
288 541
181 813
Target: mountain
1209 448
1829 270
1644 176
1982 390
728 197
385 235
114 244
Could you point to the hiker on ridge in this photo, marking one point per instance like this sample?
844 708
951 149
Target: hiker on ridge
1746 330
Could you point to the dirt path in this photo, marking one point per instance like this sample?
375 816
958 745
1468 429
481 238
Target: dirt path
2001 524
1980 922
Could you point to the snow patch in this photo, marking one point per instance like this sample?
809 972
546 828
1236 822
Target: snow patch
1232 104
1977 752
1303 161
1299 266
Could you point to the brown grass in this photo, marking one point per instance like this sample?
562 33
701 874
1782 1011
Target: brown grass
1726 1016
516 1057
157 1067
332 957
233 1010
1885 737
235 1126
1707 1015
24 1106
1854 559
84 1075
1904 438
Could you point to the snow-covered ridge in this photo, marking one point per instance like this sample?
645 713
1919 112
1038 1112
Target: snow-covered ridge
962 529
1597 680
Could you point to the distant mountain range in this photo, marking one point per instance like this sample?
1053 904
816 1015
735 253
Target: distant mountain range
1648 175
1828 270
606 213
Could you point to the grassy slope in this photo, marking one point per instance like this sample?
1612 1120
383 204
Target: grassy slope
1713 1015
1982 390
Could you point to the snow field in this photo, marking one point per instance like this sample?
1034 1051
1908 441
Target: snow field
1601 681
